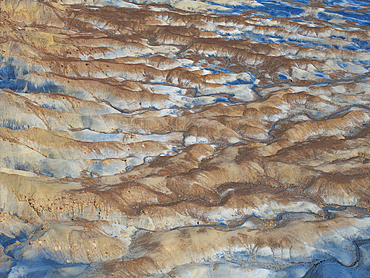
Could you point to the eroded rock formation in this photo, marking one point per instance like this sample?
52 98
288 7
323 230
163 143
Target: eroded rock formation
184 138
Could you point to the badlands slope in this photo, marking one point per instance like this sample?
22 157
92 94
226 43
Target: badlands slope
157 138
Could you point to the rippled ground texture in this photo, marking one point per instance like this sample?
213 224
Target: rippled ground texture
184 138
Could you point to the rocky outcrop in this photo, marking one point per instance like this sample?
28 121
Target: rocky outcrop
184 139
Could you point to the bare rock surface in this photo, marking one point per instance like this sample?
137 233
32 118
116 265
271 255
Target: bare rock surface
184 138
